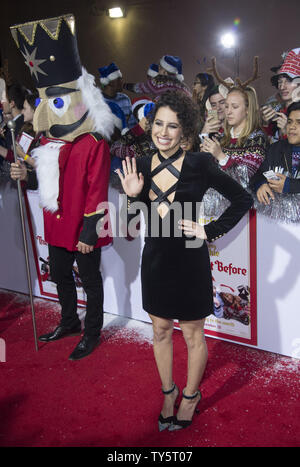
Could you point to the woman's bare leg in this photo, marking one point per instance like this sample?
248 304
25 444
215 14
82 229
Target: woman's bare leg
163 353
193 333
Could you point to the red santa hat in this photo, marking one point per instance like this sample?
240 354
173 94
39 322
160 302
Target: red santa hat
291 64
138 105
139 101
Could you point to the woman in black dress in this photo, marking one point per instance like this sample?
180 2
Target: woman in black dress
176 273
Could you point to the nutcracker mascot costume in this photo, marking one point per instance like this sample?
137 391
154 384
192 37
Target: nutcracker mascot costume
72 170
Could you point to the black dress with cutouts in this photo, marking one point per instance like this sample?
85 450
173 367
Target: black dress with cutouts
175 272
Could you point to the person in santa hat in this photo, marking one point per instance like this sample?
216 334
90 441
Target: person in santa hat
111 83
169 78
153 70
136 142
72 170
287 81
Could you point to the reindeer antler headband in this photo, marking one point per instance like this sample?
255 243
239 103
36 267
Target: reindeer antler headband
238 82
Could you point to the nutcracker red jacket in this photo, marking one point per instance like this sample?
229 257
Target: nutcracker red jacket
84 168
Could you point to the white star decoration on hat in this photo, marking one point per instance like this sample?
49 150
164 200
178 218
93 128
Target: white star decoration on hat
33 63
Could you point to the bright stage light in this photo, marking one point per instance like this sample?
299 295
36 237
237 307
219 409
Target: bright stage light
115 12
228 40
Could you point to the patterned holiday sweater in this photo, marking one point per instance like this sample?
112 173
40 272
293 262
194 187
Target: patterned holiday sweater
242 164
157 86
250 156
134 143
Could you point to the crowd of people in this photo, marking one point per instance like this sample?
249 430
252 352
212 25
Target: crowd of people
232 125
247 149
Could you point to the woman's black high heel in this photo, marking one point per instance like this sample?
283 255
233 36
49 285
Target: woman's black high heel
166 422
180 424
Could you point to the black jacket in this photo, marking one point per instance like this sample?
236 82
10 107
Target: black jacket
278 155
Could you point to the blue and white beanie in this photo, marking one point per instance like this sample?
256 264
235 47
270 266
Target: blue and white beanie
152 70
140 107
147 109
173 65
109 73
119 117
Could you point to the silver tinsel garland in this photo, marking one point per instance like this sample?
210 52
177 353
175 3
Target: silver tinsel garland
284 208
214 203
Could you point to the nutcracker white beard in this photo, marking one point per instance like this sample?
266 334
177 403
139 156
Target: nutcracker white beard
47 168
71 109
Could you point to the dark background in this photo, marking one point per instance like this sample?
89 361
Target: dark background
190 29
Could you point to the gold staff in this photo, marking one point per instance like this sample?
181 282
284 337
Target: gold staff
12 125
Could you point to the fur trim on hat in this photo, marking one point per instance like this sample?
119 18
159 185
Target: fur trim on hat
140 101
152 73
168 67
171 69
104 81
114 75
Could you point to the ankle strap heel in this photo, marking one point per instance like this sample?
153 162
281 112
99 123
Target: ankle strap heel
169 391
166 422
193 396
180 424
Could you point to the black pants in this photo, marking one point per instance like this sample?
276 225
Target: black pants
61 270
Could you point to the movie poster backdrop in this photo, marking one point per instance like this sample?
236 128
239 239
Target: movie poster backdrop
233 267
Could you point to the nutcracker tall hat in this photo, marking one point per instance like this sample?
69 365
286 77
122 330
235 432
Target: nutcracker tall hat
71 104
50 50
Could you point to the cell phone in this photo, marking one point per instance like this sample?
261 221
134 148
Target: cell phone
202 136
269 108
212 114
215 135
271 175
278 115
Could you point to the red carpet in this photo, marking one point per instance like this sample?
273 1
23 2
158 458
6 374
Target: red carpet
112 398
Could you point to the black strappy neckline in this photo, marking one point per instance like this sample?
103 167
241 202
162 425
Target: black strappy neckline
165 164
